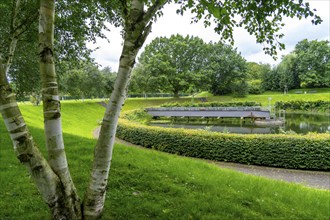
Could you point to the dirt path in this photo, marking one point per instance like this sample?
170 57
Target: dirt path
315 179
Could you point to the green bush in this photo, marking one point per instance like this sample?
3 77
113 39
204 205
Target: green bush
310 151
138 115
210 104
255 87
315 106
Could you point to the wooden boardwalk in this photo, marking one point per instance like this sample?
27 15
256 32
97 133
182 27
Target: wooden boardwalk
210 112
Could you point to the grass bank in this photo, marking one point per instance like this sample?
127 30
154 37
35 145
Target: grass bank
265 99
146 184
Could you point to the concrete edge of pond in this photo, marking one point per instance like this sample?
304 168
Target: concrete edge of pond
314 179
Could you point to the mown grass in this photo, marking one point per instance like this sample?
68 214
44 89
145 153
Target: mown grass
146 184
264 98
321 94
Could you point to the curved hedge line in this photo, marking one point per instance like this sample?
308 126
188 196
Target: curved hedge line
289 151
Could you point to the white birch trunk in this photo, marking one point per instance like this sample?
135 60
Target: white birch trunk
51 107
138 26
26 151
47 182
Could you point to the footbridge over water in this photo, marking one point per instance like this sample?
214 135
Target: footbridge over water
211 112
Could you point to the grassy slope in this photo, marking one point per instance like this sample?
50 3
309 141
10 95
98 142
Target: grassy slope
148 184
322 94
263 98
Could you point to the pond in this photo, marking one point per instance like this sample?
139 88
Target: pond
299 123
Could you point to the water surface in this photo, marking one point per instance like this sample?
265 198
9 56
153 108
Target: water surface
299 123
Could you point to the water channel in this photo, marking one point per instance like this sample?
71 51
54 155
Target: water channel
299 123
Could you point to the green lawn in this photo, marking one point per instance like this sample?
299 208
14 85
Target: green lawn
275 96
321 94
146 184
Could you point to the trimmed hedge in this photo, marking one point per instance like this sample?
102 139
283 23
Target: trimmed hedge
319 105
211 104
310 151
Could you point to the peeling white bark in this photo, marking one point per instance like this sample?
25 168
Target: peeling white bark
54 129
14 124
7 106
52 112
137 28
45 179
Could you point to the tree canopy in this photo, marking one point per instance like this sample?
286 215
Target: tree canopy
187 64
307 66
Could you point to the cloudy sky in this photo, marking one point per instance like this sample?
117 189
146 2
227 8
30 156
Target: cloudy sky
295 30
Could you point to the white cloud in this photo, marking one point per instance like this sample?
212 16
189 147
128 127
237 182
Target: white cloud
171 23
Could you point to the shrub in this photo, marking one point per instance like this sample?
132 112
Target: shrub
210 104
322 106
255 87
138 115
310 151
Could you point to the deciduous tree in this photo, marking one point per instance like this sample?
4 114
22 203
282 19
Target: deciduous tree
177 62
226 70
52 177
313 63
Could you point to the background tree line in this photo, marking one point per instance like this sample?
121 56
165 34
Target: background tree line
307 66
183 65
188 65
86 80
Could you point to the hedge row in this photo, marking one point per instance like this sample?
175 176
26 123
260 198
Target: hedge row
304 105
289 151
210 104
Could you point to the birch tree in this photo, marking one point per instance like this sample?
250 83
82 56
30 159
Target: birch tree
52 176
51 109
137 25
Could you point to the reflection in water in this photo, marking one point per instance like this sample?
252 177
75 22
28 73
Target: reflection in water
304 123
299 123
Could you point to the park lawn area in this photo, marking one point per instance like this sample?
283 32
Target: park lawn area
321 94
146 184
275 97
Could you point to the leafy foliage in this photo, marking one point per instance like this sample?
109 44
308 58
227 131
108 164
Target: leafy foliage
171 64
88 81
307 66
256 75
226 70
289 151
24 72
187 64
77 22
259 17
255 87
313 58
210 104
298 105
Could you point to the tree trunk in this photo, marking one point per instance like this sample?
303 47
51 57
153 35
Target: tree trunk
137 28
51 109
176 93
47 182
